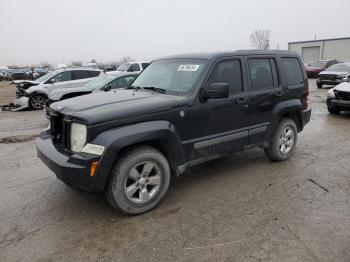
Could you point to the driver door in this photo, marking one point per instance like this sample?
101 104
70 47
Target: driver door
220 125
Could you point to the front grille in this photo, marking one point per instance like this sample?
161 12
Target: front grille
328 77
59 129
342 95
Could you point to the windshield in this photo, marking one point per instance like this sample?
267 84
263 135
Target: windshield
99 82
46 77
317 64
173 76
339 68
123 67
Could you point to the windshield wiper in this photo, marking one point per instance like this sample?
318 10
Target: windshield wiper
156 89
134 87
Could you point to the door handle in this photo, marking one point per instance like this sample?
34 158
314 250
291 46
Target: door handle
242 100
278 93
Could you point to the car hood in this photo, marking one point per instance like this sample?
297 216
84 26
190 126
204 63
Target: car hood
59 93
117 104
343 87
16 82
333 73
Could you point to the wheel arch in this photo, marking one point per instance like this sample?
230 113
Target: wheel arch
161 135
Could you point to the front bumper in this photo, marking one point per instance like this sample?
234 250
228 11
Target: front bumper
342 105
22 102
329 82
72 169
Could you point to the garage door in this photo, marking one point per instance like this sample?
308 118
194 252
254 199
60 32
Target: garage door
310 54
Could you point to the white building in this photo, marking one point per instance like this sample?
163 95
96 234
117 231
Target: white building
315 50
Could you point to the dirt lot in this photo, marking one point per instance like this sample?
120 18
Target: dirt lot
242 208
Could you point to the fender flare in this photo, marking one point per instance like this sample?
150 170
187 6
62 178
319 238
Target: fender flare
117 139
285 107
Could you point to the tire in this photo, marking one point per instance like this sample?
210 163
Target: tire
283 142
333 110
133 172
319 85
37 101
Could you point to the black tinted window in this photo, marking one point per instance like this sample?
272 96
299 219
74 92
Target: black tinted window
61 77
134 67
293 69
94 73
228 72
122 82
260 74
80 74
144 65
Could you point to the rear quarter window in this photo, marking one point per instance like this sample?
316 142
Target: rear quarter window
293 71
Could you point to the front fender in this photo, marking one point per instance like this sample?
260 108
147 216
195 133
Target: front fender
117 139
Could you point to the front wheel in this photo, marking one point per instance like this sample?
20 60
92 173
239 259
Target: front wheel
37 101
319 85
139 180
284 141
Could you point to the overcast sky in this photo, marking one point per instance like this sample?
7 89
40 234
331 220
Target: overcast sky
49 30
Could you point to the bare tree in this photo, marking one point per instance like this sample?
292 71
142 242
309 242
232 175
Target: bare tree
260 39
93 60
124 60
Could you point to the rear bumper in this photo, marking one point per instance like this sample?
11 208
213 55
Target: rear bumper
73 170
306 115
342 105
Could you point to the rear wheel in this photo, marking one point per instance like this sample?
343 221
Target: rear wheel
37 101
138 181
284 141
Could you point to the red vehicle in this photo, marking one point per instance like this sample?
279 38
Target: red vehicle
314 68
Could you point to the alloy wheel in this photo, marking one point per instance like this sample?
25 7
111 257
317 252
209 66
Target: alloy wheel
142 182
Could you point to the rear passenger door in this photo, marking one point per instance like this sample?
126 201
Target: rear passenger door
265 91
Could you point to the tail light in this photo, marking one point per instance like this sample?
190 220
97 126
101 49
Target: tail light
305 98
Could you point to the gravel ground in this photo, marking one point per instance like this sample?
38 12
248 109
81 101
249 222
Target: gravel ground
241 208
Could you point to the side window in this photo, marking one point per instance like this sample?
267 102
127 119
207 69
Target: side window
228 72
80 74
144 65
134 68
122 82
61 77
94 73
293 70
260 74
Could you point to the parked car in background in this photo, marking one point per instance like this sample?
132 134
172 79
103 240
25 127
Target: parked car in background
338 98
18 74
334 75
133 67
314 68
33 94
181 111
39 72
104 82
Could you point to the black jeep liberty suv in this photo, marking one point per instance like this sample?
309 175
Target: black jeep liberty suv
180 111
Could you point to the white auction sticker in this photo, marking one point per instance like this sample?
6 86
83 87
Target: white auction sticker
189 68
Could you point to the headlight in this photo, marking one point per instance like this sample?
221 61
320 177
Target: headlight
78 134
21 85
330 93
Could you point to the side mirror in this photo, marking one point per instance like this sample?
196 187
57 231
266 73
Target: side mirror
130 69
216 90
107 88
52 81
